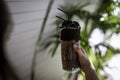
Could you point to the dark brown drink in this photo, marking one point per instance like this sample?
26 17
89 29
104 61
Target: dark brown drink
70 34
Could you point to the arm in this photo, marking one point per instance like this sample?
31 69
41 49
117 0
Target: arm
91 74
85 64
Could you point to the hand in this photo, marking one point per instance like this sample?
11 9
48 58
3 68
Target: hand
85 64
83 59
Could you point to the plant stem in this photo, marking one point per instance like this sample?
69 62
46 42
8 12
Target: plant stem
39 39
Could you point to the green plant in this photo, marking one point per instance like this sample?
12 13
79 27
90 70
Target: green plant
103 19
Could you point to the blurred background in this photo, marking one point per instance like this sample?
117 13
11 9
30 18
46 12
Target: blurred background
33 48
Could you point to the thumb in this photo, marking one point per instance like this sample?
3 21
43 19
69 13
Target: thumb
78 50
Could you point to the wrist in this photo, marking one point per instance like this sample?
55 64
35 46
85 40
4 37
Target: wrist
91 74
88 70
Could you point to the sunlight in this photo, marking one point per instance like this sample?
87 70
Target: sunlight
115 41
116 12
114 63
96 37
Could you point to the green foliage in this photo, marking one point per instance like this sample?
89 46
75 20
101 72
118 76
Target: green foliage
104 18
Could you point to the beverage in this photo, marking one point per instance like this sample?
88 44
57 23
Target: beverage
70 34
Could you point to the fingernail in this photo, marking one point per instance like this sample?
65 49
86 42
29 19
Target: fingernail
75 46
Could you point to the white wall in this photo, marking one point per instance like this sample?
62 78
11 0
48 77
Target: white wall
27 16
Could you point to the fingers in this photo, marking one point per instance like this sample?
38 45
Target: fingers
78 50
84 52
